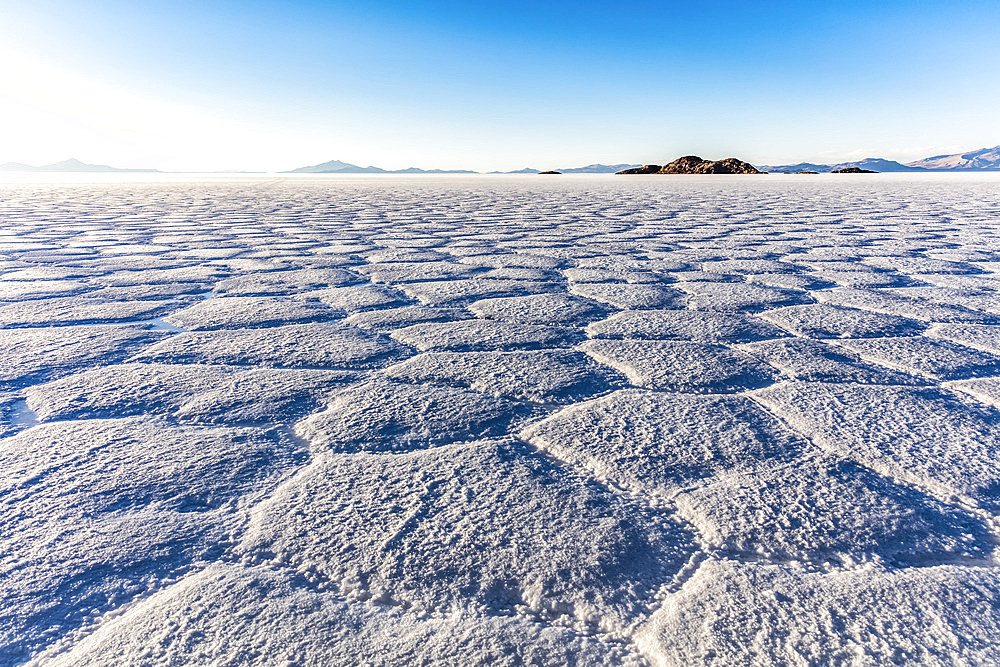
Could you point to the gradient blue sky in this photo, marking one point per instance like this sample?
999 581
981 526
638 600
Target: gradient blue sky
493 85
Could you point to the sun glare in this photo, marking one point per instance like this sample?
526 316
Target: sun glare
54 113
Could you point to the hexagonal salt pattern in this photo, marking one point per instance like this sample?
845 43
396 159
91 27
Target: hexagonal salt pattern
402 421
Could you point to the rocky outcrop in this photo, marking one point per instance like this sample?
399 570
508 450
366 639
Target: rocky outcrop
544 173
644 169
853 170
692 164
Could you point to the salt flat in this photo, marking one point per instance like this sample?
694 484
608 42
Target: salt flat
500 420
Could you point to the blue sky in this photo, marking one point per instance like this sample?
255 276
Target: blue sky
493 85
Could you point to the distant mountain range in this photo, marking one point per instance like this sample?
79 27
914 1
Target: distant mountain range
589 169
599 168
984 159
70 165
338 167
871 164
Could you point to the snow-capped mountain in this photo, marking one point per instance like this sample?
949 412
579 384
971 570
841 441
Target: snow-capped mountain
982 159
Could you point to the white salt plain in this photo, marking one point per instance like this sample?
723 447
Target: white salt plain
500 420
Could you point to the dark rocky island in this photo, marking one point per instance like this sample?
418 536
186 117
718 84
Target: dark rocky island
544 173
692 164
853 170
644 169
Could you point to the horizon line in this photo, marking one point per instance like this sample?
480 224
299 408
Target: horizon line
415 169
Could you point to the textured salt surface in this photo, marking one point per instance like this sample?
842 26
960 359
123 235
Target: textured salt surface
400 421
